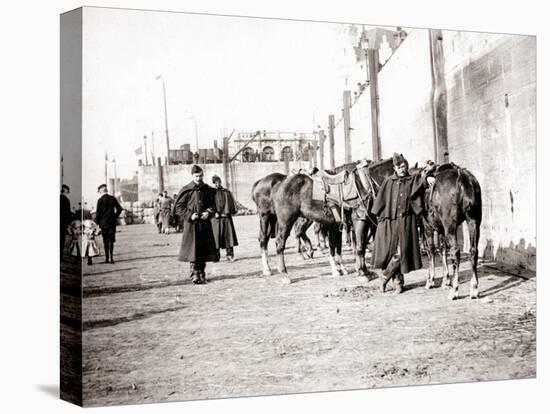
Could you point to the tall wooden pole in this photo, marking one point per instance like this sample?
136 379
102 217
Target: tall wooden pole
315 152
439 97
321 149
373 64
145 149
225 160
106 167
347 126
332 164
160 172
166 122
153 148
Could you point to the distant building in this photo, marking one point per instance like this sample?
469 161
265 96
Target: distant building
271 146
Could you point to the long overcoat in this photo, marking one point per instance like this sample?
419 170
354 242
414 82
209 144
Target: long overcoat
397 203
224 230
197 244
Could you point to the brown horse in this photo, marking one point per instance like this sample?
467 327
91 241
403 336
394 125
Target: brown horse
453 198
261 195
293 198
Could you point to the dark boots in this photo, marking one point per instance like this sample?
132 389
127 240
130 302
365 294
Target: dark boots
198 276
393 271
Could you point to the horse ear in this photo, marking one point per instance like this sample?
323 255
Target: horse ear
416 165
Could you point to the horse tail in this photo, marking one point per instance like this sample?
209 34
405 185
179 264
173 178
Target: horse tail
471 194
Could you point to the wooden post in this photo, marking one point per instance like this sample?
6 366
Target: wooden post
347 126
145 149
439 97
225 160
160 171
372 55
314 153
332 163
321 149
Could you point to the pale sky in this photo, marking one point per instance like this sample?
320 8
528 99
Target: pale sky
228 72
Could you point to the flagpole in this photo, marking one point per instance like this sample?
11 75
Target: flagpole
106 162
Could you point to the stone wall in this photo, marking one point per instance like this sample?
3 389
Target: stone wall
491 90
242 177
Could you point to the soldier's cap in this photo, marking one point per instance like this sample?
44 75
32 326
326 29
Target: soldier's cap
398 159
216 179
101 186
65 187
196 169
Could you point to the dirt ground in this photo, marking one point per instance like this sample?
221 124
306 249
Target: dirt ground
150 335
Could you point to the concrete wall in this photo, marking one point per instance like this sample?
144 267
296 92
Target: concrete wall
491 90
243 176
491 86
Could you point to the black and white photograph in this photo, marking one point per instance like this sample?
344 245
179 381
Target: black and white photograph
260 206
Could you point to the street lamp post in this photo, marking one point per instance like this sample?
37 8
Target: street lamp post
165 119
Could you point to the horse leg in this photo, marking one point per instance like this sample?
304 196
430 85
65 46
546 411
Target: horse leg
333 234
341 267
429 240
283 231
446 281
455 261
359 229
473 230
264 240
302 236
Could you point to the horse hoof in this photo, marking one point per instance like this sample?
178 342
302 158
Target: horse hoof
429 284
360 272
335 273
474 294
286 280
343 271
267 273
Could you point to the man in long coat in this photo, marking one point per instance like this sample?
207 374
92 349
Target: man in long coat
107 211
396 245
196 205
65 215
222 223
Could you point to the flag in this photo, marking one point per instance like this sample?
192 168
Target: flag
139 151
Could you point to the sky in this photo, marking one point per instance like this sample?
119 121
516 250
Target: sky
226 72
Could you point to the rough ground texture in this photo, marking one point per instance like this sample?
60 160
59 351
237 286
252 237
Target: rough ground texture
150 335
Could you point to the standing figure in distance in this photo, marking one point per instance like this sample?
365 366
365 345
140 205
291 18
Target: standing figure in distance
396 245
222 223
65 216
196 205
156 213
165 207
107 211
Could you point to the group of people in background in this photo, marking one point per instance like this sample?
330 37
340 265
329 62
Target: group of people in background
203 213
83 230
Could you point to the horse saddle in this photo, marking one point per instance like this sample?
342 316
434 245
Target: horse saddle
334 179
335 188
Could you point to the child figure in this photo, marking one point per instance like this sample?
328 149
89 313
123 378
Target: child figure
89 245
75 231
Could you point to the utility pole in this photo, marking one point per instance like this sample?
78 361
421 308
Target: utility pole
321 149
225 160
145 149
106 165
153 148
347 126
372 56
332 163
165 120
